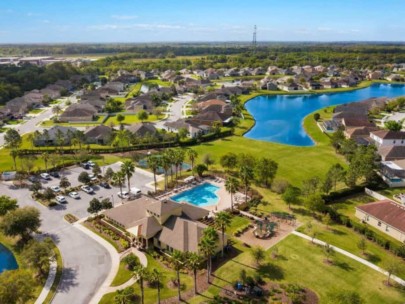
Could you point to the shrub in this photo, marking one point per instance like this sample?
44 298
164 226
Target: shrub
279 186
317 116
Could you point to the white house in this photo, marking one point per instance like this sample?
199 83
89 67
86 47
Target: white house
388 138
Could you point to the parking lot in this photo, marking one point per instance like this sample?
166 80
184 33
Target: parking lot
78 207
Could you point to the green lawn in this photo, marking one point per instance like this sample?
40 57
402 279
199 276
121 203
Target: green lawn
237 222
134 90
36 111
123 275
303 263
151 293
129 119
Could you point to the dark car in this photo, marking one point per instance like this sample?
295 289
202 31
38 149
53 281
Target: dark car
54 174
105 185
34 179
85 166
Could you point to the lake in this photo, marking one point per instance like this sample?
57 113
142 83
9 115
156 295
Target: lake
279 118
7 259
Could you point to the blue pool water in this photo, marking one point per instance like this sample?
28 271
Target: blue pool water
279 117
202 195
7 259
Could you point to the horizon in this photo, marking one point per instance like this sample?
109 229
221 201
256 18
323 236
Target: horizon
91 21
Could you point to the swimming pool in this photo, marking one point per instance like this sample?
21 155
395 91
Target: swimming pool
7 259
202 196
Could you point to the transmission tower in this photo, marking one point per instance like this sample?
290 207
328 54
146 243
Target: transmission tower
254 42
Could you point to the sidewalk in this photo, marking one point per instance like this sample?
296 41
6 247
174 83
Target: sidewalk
352 256
49 282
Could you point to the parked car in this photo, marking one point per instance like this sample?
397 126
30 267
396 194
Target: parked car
54 174
92 177
91 163
55 189
33 179
61 199
87 189
85 166
45 176
74 195
105 185
123 195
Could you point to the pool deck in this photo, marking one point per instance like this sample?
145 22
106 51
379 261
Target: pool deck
224 197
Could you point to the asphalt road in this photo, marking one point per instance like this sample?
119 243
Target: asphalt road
175 110
86 262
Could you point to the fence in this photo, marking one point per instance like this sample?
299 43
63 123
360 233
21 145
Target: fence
376 195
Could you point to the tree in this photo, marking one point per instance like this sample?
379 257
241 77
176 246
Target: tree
317 116
258 254
109 173
95 206
21 222
7 204
327 220
178 262
64 182
392 267
246 175
56 110
157 111
45 157
37 255
153 163
362 245
393 125
106 203
119 179
200 169
222 220
183 133
291 196
125 296
96 170
232 185
315 203
194 263
48 194
141 273
35 186
337 139
131 260
16 286
336 174
120 118
128 169
12 139
155 277
229 161
208 160
310 186
328 251
265 170
84 177
208 246
142 115
192 155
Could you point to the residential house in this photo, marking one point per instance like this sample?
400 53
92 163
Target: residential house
100 135
386 216
66 84
34 98
390 153
388 138
375 75
164 225
55 136
143 129
17 107
394 77
116 86
193 128
143 102
78 112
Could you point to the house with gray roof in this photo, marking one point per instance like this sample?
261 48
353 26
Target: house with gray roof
78 112
55 136
142 129
100 135
164 225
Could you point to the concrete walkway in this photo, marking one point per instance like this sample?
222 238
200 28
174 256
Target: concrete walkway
352 256
115 261
49 282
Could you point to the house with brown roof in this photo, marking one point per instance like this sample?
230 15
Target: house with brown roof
193 128
142 129
100 135
391 152
78 112
386 216
388 138
164 225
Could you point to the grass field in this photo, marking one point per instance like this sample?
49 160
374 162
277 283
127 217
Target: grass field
303 263
129 119
123 275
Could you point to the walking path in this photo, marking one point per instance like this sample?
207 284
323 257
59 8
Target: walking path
352 256
49 282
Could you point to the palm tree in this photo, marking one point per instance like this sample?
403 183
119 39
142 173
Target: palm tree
141 273
14 153
156 276
165 163
123 296
56 110
153 164
179 155
171 156
128 169
177 260
193 263
208 246
246 174
45 157
231 185
192 155
118 178
222 221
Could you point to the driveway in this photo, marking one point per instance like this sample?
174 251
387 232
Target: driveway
86 262
175 112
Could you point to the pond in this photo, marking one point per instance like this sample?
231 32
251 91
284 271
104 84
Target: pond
279 118
7 259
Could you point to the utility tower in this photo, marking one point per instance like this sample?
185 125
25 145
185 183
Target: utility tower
254 42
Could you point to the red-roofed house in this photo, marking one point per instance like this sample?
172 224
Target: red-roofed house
387 216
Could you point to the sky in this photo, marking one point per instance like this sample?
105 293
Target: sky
81 21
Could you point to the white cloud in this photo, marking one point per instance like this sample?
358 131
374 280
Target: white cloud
124 17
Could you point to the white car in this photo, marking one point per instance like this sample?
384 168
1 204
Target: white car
55 189
87 189
45 176
91 163
92 177
124 194
61 199
74 195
